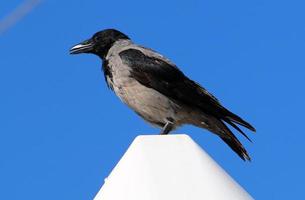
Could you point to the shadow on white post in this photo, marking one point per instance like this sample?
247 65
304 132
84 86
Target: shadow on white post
170 167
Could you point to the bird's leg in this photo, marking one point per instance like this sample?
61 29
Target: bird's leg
167 128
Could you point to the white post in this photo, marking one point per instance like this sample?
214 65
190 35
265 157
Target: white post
169 167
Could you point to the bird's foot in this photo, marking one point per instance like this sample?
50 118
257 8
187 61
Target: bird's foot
167 128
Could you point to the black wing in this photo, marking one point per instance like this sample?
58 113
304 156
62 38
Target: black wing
166 78
159 74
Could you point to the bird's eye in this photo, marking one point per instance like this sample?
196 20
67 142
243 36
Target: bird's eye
96 39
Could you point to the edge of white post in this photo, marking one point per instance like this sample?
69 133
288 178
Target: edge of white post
169 167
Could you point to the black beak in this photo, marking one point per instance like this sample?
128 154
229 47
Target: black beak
84 47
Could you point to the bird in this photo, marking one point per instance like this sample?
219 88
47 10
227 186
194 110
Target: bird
158 91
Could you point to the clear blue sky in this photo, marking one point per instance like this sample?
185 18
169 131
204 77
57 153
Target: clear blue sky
62 130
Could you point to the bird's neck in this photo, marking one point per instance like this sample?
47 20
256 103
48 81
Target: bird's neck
117 47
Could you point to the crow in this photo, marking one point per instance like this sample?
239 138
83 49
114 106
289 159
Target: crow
158 91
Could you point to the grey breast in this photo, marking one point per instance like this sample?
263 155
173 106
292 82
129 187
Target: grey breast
153 106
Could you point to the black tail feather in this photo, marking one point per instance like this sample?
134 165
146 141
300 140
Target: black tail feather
236 119
237 148
231 140
237 128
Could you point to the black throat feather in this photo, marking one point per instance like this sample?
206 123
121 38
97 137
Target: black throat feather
107 73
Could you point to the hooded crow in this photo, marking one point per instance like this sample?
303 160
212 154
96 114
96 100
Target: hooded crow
158 91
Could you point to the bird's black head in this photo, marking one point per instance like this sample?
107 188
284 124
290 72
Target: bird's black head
99 43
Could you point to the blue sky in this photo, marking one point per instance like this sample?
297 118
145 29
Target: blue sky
62 130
